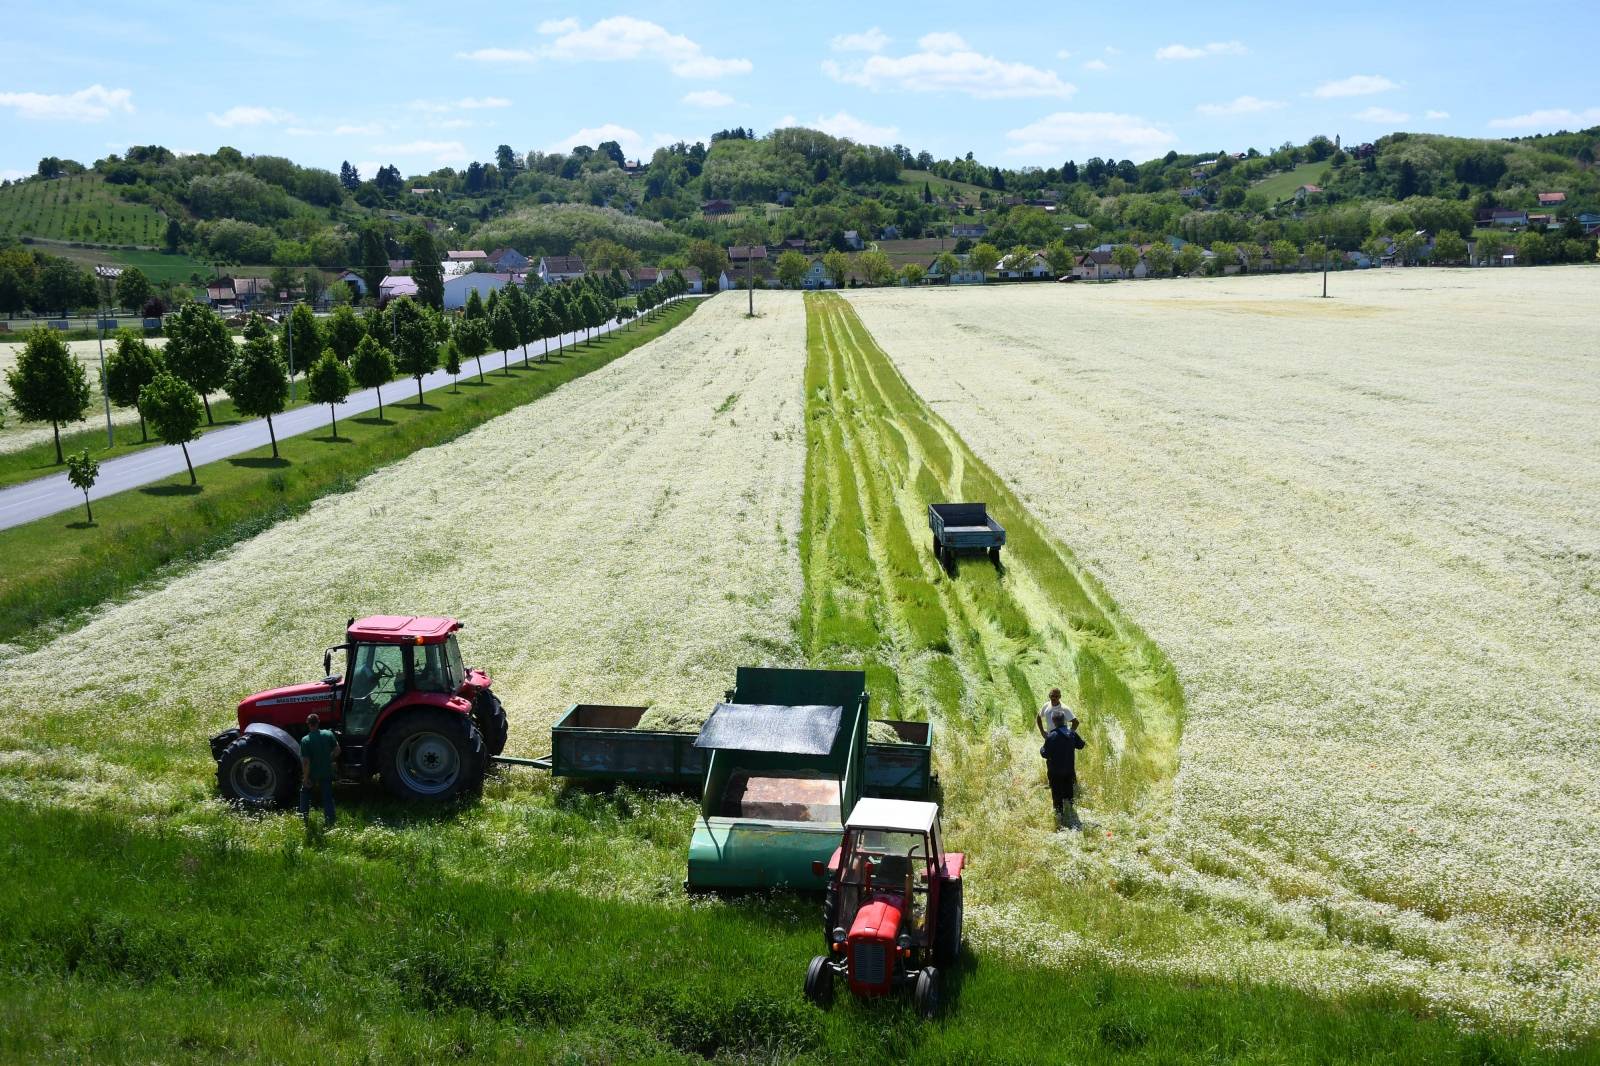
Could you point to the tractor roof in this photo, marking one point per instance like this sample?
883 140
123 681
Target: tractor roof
911 816
402 629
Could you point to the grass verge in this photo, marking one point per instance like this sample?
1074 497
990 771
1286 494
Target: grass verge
59 566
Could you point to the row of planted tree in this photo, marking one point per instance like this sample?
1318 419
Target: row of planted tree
171 387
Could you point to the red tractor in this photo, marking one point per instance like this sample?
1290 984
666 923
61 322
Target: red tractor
892 913
405 708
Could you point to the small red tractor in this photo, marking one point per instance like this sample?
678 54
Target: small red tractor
892 912
405 708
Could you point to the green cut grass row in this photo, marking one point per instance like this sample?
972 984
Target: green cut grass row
60 566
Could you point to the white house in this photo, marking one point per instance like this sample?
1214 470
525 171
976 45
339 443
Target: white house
963 276
457 288
357 283
395 286
1097 266
559 268
1032 266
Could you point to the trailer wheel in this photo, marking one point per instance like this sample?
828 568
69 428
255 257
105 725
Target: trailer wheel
994 555
819 982
947 946
258 773
947 559
490 715
928 992
430 754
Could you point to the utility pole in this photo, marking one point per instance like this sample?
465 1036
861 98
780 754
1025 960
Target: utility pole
288 329
1324 266
106 275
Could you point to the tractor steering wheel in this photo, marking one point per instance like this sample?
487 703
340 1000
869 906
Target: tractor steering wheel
382 670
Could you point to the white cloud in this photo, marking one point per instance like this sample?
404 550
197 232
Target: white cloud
498 55
1381 114
245 115
947 64
1215 48
466 103
86 105
872 40
1113 50
432 151
1093 131
1097 65
1355 85
1438 114
1062 53
844 124
1240 105
634 145
707 98
371 129
1549 118
623 37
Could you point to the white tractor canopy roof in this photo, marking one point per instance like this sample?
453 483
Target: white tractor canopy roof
911 816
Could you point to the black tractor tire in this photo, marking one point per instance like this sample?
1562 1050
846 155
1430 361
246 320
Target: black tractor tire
947 559
994 556
830 909
490 716
258 773
929 992
938 549
947 941
819 982
431 755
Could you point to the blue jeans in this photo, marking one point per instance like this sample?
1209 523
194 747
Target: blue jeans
327 799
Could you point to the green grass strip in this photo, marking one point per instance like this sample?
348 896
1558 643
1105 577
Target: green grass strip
57 567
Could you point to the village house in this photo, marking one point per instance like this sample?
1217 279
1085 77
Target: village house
395 286
554 269
399 266
508 260
1505 216
1097 266
641 278
816 276
1552 199
1031 267
713 208
357 283
458 288
469 257
971 230
964 275
852 240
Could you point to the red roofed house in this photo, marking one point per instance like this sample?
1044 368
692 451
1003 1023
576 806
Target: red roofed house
1552 199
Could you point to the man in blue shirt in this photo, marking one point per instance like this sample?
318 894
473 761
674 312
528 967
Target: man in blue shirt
318 750
1061 747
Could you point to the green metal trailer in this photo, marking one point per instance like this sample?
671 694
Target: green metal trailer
602 742
786 763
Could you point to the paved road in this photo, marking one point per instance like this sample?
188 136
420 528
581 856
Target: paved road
53 494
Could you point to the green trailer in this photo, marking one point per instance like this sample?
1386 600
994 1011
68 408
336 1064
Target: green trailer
603 742
786 757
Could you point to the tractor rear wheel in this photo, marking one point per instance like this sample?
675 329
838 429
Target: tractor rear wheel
429 754
947 941
819 982
490 715
928 992
257 772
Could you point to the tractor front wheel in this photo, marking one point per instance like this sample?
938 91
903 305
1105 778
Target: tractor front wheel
257 772
947 941
819 982
928 992
490 714
430 754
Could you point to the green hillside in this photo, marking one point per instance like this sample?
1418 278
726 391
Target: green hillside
79 207
1282 186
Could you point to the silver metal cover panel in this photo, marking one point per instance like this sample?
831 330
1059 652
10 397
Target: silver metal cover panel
806 729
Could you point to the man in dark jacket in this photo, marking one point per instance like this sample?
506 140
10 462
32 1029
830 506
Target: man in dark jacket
1061 746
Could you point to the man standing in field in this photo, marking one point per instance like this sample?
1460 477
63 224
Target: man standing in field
1061 746
317 752
1046 713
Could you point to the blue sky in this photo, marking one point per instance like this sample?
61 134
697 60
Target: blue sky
435 84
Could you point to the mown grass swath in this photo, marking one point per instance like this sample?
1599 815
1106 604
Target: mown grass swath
60 568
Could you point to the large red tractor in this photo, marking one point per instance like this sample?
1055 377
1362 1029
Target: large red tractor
405 708
892 913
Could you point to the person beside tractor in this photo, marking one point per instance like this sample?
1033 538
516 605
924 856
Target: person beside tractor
1061 747
1043 719
318 750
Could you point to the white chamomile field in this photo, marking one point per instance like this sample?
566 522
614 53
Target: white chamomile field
15 434
1367 532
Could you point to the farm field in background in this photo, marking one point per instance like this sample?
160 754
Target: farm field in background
16 435
157 266
1364 530
1282 186
81 207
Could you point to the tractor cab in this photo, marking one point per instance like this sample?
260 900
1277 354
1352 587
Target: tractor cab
892 913
406 708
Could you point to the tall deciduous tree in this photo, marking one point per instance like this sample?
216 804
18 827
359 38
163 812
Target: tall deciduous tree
372 366
474 306
426 270
503 332
1159 258
301 340
1126 256
48 384
416 351
199 350
875 266
328 381
374 259
258 382
471 340
983 257
837 264
792 268
344 330
132 365
133 289
173 407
